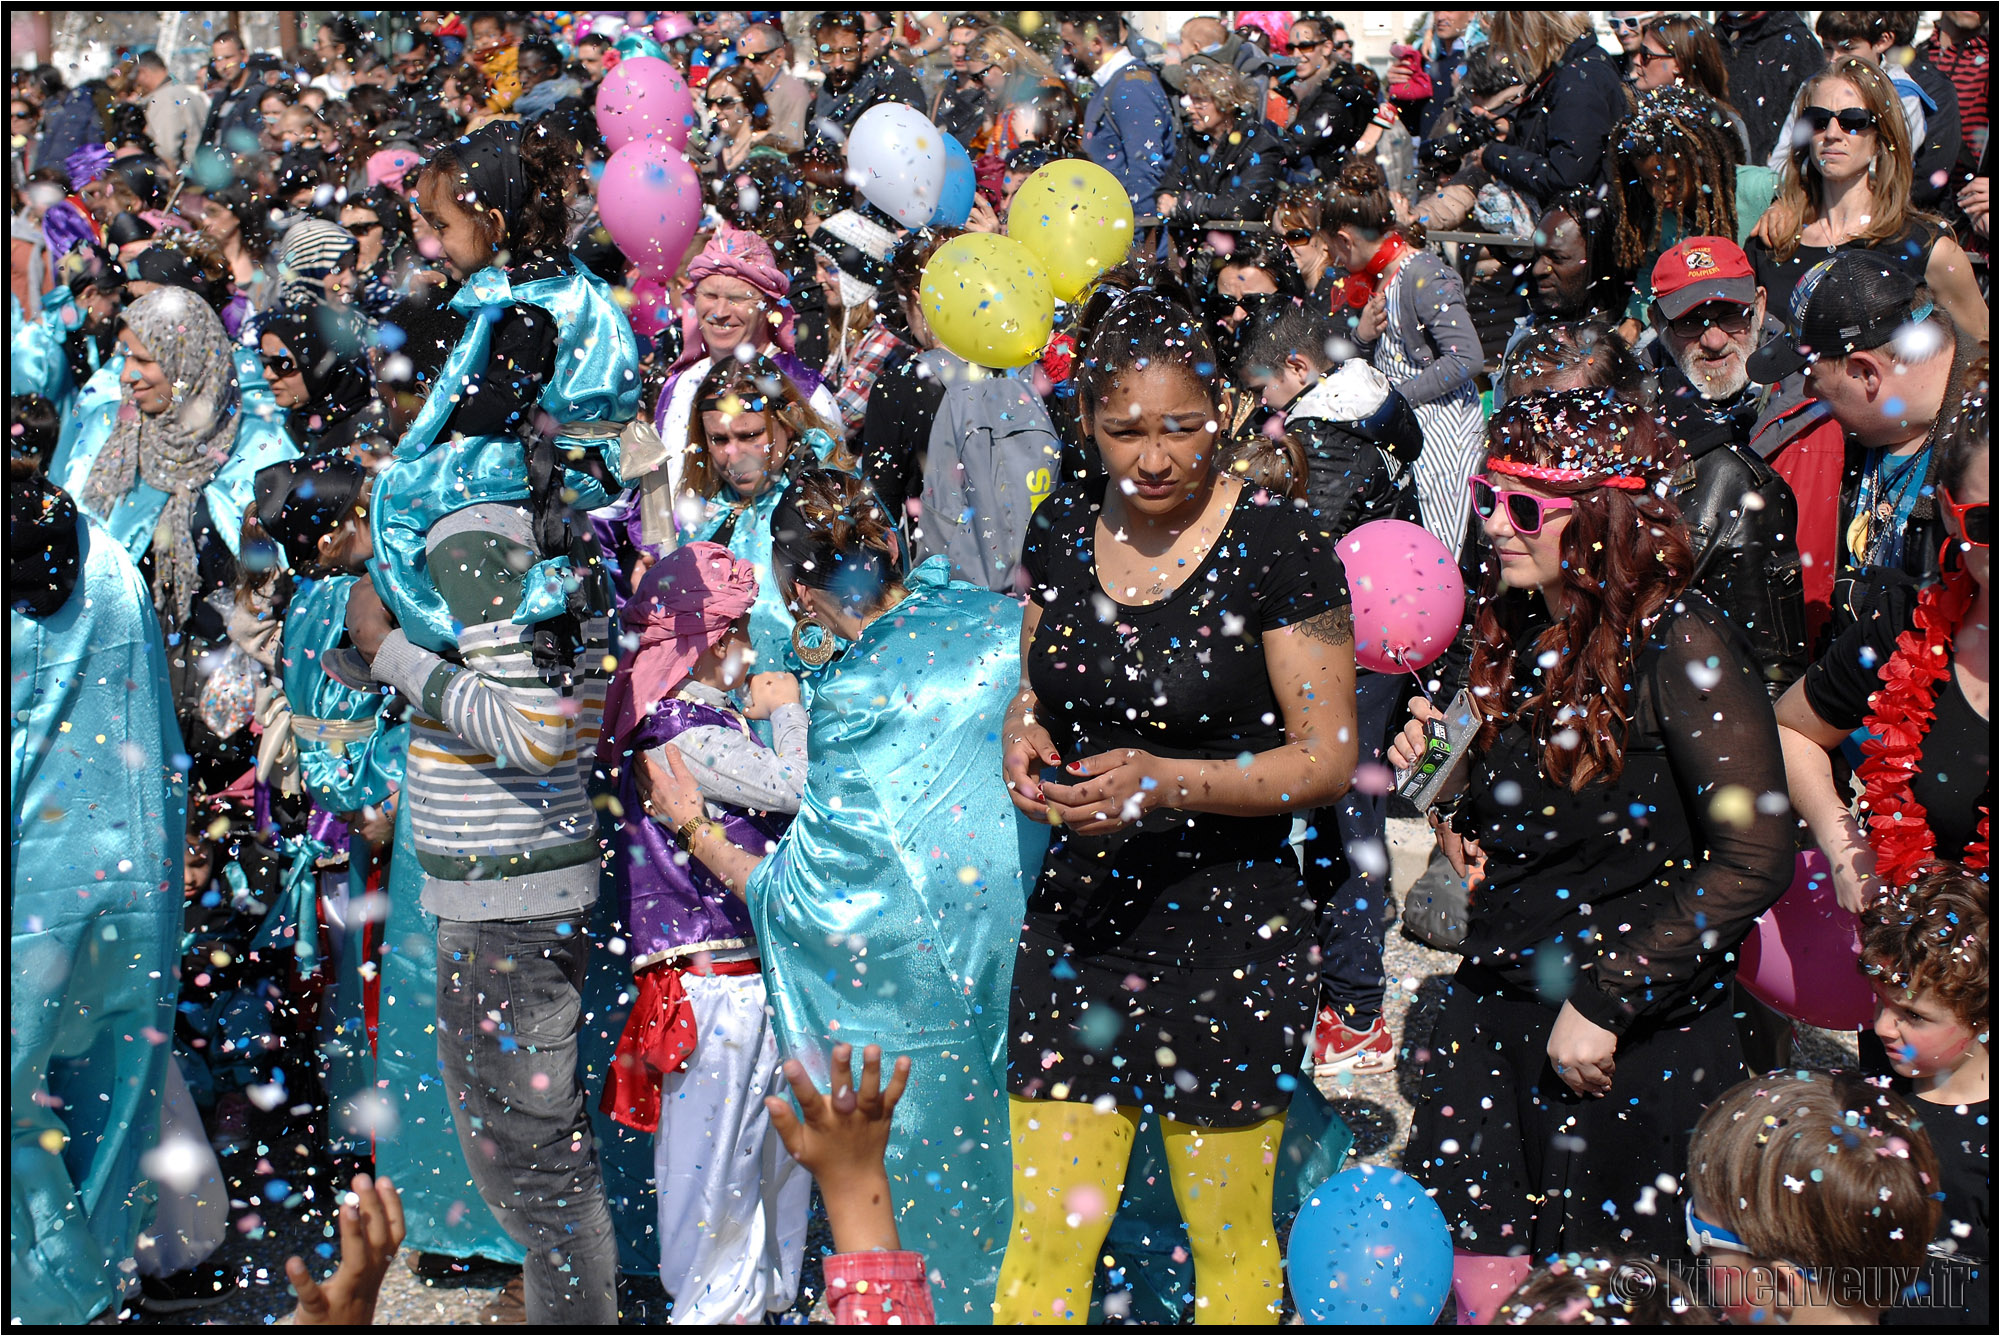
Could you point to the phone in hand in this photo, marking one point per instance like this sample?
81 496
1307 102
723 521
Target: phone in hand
1446 742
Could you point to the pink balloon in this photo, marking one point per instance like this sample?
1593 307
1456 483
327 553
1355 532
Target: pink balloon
645 98
650 201
673 26
1409 598
1800 958
652 305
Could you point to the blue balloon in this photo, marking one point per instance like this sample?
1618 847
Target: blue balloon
1370 1248
955 200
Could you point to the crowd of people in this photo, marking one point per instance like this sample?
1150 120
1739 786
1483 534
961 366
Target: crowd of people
591 707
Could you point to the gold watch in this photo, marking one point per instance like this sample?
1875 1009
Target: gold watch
684 833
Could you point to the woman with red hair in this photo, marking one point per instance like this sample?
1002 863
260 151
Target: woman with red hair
1622 820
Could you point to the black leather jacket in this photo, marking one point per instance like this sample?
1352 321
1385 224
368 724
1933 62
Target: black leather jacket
1743 522
1356 470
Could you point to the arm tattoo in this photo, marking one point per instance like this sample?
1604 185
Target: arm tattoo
1332 627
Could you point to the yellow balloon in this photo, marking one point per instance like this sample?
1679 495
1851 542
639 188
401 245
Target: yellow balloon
987 299
1077 218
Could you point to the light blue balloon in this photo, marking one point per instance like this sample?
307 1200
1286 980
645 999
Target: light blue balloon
638 44
1370 1248
955 200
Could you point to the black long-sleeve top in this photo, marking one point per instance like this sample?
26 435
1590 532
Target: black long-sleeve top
1237 174
1630 897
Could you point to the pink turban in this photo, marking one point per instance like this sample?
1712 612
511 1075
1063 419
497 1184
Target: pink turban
684 605
390 166
743 255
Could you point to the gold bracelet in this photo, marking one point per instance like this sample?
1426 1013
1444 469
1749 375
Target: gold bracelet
684 834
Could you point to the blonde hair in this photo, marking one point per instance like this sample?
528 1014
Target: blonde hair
1532 40
1011 54
1230 91
1801 195
1819 1169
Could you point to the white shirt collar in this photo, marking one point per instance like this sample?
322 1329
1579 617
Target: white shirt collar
1119 60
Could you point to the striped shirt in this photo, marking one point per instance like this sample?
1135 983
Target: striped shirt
499 758
1968 63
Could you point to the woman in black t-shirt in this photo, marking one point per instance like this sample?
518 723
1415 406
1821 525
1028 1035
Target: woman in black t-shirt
1622 824
1189 664
1915 673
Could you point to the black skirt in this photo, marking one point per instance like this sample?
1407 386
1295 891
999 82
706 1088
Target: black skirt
1520 1163
1175 983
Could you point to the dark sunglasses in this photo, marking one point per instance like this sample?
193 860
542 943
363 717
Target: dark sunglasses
756 57
280 365
363 229
718 103
1296 235
1343 46
1293 48
1973 518
1725 316
1647 57
1852 119
1525 511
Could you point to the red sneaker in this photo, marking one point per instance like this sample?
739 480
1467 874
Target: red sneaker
1337 1048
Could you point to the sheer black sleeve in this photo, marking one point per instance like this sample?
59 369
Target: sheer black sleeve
498 400
1677 939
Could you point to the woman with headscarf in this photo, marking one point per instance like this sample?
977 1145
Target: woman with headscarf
699 1052
170 475
318 372
736 298
379 218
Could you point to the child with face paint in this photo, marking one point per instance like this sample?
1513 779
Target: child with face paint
699 1053
1926 949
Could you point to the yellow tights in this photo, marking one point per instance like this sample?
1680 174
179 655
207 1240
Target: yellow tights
1069 1169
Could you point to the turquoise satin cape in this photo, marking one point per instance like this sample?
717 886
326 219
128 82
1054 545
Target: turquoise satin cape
337 776
595 386
98 818
891 910
36 361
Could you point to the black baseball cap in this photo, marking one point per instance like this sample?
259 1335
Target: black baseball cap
1854 301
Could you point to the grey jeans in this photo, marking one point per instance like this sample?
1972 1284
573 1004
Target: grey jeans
510 1000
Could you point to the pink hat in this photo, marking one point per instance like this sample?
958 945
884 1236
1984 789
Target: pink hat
743 255
684 605
388 167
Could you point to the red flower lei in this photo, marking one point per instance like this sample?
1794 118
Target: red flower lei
1900 715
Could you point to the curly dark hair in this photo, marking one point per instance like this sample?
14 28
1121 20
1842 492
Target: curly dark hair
1625 557
832 532
550 157
1934 937
1689 138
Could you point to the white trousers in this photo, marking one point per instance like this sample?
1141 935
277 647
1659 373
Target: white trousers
733 1201
193 1214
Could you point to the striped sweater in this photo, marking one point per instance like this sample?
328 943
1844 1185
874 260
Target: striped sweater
499 759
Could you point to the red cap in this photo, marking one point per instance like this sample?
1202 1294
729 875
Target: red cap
1702 269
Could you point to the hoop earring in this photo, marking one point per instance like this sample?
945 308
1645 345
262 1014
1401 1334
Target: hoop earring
812 656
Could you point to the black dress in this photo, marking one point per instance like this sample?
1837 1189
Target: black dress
1957 1285
1167 965
1909 251
1628 900
1955 776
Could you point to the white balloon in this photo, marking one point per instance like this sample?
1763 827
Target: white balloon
896 157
